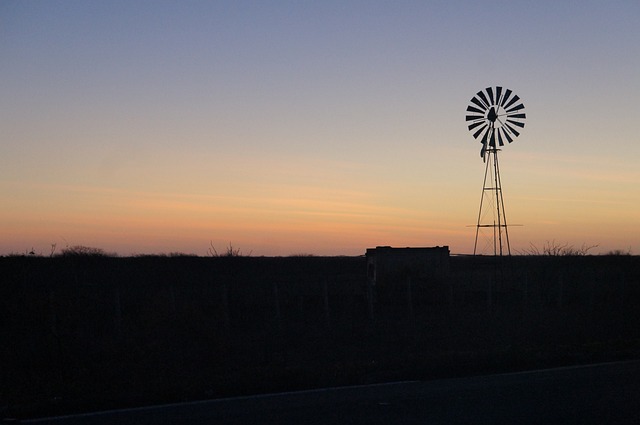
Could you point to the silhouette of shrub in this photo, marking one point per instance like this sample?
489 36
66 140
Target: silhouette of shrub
85 251
556 249
619 252
229 251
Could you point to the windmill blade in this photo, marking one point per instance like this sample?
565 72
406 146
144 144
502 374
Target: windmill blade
490 91
484 98
506 97
516 108
500 142
513 100
498 93
476 110
477 102
492 140
474 117
485 138
518 123
519 116
513 130
475 124
507 136
477 133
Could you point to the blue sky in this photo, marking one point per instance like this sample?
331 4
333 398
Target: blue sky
319 127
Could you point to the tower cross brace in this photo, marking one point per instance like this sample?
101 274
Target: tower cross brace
493 216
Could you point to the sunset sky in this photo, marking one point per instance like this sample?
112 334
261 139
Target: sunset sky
316 127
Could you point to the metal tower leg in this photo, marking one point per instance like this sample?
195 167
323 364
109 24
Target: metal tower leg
498 223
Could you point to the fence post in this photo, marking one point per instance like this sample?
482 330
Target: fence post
525 293
560 288
622 286
409 298
451 292
276 299
327 311
225 306
53 314
172 296
118 311
490 283
370 300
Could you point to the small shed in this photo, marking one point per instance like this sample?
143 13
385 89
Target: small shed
386 265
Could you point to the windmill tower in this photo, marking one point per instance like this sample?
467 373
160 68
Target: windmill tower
493 116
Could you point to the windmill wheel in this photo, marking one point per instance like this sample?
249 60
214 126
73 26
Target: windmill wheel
495 115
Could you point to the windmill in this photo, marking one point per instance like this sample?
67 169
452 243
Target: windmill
494 116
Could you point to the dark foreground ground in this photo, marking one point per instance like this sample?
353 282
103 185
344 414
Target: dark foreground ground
606 393
94 333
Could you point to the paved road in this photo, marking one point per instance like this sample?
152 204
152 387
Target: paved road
595 394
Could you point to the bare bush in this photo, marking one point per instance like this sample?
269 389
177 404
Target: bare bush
556 249
230 251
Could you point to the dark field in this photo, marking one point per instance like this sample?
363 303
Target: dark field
94 333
